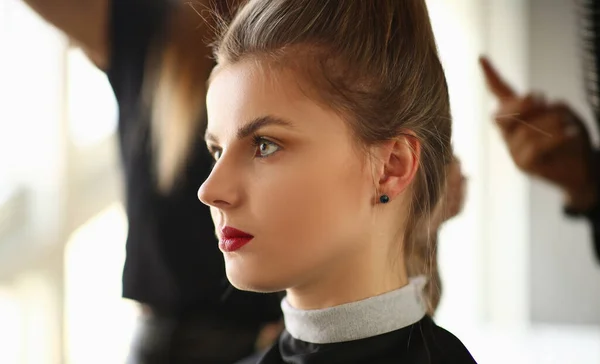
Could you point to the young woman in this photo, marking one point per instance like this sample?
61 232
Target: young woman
329 122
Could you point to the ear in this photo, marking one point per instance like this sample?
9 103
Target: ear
399 164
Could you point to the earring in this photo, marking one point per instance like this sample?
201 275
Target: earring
384 199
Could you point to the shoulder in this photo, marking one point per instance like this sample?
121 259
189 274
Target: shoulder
441 345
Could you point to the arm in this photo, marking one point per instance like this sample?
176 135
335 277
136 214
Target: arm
84 21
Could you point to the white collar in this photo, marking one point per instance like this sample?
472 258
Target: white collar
373 316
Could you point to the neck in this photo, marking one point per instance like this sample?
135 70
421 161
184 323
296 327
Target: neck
360 276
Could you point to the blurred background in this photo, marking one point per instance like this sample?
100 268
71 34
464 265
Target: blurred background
518 275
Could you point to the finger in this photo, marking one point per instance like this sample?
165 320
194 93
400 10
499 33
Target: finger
529 148
572 130
545 126
496 84
534 155
454 176
518 112
572 123
560 121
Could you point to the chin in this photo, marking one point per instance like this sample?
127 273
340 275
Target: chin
254 280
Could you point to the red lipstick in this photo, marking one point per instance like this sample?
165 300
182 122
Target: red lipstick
233 239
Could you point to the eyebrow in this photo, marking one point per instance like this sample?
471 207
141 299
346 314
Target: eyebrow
252 127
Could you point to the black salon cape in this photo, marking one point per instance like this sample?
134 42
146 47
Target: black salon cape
421 343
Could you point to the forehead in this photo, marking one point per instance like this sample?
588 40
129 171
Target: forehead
243 91
252 88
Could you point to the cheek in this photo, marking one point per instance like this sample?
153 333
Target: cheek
313 203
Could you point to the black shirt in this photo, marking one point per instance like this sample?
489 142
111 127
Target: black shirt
420 343
389 328
173 262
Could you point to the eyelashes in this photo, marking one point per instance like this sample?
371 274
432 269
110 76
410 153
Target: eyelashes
215 152
263 147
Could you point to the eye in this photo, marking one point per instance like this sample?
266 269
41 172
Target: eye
264 147
215 152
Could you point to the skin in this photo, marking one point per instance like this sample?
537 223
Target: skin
85 22
545 140
451 203
306 191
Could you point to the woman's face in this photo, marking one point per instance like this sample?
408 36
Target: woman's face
288 178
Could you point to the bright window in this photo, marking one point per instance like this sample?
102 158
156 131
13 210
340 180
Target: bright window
92 105
11 335
96 315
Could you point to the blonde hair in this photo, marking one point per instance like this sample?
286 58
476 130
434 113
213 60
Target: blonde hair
376 63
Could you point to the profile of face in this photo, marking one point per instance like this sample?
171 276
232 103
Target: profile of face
289 178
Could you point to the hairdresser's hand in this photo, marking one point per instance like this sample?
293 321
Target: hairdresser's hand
545 140
456 190
268 335
453 199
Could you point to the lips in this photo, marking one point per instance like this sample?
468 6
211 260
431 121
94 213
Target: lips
233 239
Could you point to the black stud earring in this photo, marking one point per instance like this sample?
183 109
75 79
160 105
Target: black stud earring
384 199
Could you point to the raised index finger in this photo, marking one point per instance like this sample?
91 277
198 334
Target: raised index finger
495 82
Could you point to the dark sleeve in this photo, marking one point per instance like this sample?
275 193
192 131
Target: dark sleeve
593 215
595 221
134 26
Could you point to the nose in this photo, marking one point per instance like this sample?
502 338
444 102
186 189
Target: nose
219 189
